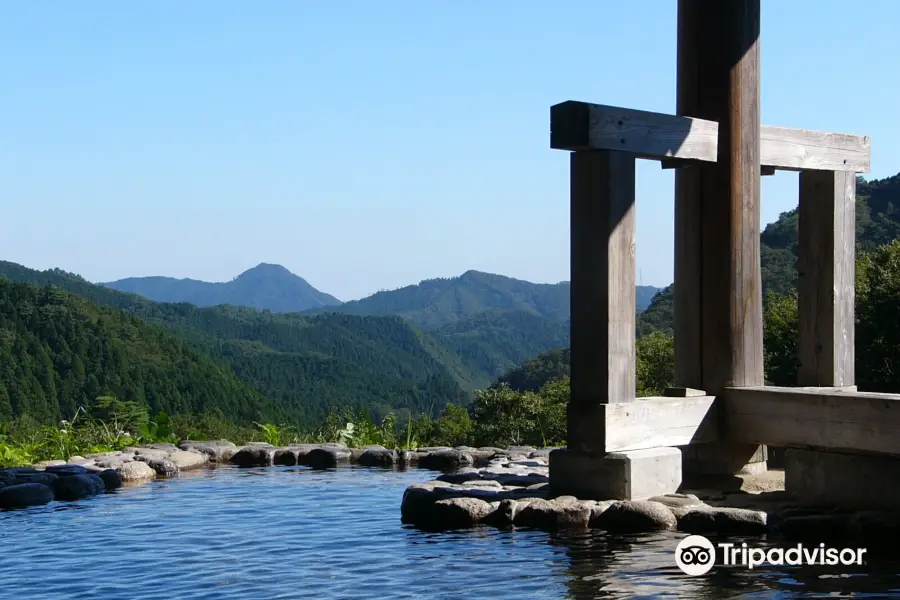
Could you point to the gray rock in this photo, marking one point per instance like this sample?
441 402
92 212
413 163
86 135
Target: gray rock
67 470
519 451
458 513
378 457
216 450
527 462
77 487
560 513
635 516
485 483
543 453
161 446
736 521
13 472
671 500
505 513
25 494
148 454
462 476
284 457
187 460
293 454
255 455
136 471
112 463
47 479
445 460
355 453
406 458
429 449
416 502
163 467
111 479
49 463
326 457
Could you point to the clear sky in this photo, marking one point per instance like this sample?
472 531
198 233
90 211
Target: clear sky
369 145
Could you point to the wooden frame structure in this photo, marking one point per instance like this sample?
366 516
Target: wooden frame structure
720 150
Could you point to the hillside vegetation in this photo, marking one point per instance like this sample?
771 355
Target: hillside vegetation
59 351
434 303
308 365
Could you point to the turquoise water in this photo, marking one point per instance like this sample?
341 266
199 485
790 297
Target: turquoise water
256 534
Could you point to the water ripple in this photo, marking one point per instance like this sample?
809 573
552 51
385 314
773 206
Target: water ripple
236 534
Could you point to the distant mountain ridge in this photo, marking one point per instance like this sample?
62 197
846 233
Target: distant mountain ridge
264 287
432 303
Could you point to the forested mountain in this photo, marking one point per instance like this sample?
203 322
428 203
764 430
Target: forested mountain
59 351
309 363
264 287
434 303
306 363
877 223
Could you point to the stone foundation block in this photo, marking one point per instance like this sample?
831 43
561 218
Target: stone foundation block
632 475
855 481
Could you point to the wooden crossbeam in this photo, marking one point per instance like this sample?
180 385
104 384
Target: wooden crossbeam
656 422
583 126
823 418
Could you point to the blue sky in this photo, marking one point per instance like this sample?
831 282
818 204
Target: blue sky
369 145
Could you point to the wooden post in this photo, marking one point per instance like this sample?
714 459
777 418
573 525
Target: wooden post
718 79
688 310
827 284
602 292
719 305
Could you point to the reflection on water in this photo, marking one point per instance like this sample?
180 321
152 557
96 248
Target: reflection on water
296 533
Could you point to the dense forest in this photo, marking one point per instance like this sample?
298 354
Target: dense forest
59 351
435 303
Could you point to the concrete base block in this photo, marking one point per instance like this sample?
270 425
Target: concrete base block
632 475
856 481
724 459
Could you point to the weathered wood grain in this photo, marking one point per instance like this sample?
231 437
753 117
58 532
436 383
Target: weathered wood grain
718 81
812 417
732 279
602 295
827 278
584 126
657 422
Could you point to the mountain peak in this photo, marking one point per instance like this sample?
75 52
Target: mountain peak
267 270
265 286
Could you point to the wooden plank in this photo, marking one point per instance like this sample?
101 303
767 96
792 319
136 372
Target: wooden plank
680 163
657 422
813 417
584 126
827 278
602 295
682 392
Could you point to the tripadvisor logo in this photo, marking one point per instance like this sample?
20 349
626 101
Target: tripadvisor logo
696 555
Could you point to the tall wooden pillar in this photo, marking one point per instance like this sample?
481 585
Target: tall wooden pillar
826 252
718 303
602 292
